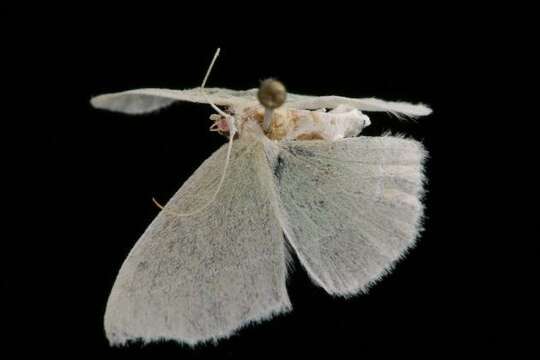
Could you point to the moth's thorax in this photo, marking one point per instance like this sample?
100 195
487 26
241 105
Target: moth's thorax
293 124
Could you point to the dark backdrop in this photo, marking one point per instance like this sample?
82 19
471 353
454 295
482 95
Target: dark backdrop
91 174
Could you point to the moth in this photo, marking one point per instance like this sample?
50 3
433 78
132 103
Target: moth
293 177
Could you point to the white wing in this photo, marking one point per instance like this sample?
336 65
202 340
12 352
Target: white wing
146 100
349 208
200 277
365 104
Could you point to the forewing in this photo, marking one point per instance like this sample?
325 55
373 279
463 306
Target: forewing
200 277
141 101
351 207
296 101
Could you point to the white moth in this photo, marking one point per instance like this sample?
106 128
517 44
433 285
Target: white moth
215 258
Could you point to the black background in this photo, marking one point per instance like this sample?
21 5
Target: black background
88 176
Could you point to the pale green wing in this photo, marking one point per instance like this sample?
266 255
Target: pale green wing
201 277
349 208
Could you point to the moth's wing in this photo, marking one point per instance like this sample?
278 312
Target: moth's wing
350 208
200 277
296 101
141 101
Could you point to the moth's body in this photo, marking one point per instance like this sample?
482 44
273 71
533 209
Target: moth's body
215 259
294 124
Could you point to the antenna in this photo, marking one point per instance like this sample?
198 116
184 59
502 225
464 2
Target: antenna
232 131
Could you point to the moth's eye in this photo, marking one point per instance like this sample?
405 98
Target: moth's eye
272 94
